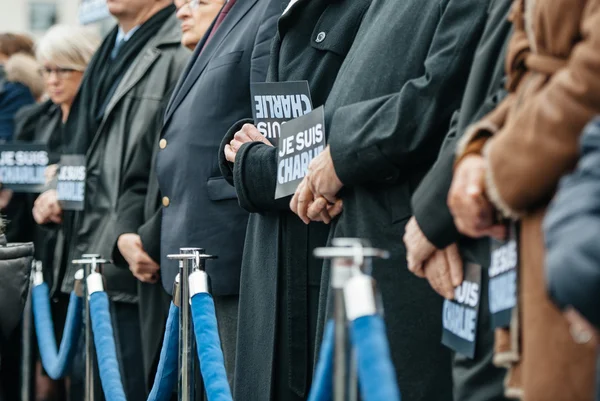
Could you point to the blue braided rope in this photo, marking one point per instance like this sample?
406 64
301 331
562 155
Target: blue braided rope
56 362
212 364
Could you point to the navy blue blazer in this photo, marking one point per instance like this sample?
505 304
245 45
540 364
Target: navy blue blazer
200 208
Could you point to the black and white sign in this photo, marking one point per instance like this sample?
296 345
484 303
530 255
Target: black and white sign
22 167
71 182
301 141
275 103
459 316
503 278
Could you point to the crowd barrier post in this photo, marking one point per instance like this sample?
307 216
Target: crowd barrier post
92 263
190 260
27 357
350 257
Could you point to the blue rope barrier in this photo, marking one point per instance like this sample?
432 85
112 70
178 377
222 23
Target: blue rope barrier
376 373
212 364
55 362
166 373
322 386
106 351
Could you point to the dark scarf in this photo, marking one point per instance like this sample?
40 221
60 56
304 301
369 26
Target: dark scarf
102 78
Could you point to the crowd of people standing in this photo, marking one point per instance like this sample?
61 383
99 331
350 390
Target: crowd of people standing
450 125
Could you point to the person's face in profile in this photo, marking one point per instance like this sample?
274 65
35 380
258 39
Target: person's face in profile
196 16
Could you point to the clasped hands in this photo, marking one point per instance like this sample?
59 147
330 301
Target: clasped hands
474 215
316 196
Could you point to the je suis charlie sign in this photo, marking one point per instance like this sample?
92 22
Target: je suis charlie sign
71 182
302 139
275 103
22 167
459 316
503 278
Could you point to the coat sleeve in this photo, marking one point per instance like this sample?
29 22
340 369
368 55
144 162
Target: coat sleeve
539 143
429 201
572 229
130 205
253 174
380 139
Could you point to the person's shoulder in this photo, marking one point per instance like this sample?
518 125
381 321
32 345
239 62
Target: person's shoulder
16 92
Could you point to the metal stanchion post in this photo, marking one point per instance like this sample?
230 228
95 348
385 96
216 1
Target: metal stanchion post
92 263
348 259
190 260
27 357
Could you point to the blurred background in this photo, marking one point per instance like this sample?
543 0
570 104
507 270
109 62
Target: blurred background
34 17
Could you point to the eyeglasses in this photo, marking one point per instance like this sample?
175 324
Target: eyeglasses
61 73
194 4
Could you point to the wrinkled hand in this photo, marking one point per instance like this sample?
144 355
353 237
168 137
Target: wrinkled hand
47 209
140 263
313 208
5 197
248 133
472 211
444 271
321 177
418 248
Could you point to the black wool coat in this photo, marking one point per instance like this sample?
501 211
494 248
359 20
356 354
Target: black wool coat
474 379
386 117
280 278
39 123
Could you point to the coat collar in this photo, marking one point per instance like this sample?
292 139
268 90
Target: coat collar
168 35
203 54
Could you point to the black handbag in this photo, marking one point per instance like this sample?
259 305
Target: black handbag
15 269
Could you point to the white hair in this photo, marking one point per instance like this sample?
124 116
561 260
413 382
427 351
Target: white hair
68 46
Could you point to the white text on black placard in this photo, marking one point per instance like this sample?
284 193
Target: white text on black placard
71 182
459 316
503 278
22 167
301 141
275 103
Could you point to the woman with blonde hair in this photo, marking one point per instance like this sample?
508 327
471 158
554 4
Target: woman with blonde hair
63 54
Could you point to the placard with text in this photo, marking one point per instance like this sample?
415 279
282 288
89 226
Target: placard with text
302 139
502 285
22 167
275 103
71 182
459 316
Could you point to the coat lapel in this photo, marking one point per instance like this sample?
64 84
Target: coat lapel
202 56
131 78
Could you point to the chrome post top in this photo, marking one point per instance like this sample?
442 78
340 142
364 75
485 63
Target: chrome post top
354 249
196 255
94 260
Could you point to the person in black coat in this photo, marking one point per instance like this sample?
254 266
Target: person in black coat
385 119
571 231
432 227
199 207
280 278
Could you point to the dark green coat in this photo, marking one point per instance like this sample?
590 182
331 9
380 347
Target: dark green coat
280 278
386 117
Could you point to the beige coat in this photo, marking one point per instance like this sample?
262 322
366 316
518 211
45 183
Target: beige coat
529 142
